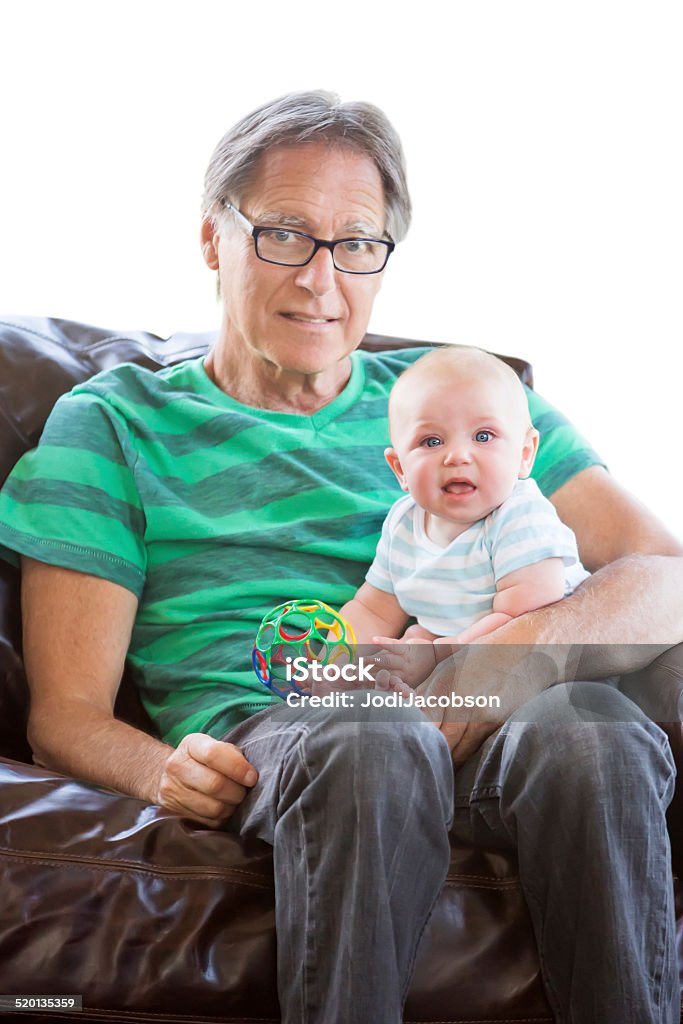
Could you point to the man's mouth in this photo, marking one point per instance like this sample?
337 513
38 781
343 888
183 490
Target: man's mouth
459 487
303 318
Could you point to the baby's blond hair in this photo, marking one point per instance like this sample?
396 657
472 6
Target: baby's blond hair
465 363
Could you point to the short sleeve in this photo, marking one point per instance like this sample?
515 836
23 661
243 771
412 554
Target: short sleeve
526 529
379 574
562 451
73 500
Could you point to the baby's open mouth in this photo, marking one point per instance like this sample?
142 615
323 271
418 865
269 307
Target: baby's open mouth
459 487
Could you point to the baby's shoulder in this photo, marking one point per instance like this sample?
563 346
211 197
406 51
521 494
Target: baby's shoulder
526 497
524 504
401 514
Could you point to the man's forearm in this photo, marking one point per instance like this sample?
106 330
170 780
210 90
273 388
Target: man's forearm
624 615
81 740
617 622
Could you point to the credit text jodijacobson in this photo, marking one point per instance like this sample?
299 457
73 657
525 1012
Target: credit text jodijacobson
301 670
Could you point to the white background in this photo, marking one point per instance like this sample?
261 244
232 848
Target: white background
545 158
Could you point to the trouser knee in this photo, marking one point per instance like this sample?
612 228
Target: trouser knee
382 756
590 738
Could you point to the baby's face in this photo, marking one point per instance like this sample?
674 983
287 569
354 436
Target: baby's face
459 446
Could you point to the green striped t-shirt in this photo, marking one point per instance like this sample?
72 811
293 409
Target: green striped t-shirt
212 512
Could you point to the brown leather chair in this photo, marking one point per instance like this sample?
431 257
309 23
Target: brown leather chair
150 918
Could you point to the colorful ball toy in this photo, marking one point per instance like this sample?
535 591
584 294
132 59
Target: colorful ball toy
299 629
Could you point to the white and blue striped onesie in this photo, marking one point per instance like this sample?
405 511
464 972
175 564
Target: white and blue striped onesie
448 589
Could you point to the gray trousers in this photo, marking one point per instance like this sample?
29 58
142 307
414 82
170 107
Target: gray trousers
358 806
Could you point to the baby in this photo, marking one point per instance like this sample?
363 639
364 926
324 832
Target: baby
474 543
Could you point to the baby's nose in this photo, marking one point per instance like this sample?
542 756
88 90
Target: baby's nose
457 453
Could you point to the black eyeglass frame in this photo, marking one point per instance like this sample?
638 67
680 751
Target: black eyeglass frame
318 243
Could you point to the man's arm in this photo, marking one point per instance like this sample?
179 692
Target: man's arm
636 593
77 629
609 522
632 604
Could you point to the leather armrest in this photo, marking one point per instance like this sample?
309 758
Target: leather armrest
13 690
101 890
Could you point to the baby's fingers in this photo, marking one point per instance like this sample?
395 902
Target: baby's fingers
392 660
390 682
383 679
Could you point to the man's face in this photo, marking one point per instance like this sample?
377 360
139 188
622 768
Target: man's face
300 319
459 446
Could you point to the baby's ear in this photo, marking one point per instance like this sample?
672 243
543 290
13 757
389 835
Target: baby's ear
391 455
529 450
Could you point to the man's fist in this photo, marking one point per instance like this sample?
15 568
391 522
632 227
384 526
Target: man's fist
205 779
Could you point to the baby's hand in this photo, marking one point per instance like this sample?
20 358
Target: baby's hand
409 660
390 682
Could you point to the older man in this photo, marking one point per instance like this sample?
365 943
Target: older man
164 513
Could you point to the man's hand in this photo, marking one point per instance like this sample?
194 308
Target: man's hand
501 677
205 779
465 728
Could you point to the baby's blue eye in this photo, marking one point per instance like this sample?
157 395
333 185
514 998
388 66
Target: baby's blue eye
431 442
483 436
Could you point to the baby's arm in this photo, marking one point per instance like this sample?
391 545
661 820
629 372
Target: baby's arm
376 616
374 612
524 590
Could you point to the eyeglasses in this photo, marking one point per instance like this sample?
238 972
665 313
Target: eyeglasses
289 248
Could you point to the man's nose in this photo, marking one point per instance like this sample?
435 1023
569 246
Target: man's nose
319 276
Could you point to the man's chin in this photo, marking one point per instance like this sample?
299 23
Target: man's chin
308 356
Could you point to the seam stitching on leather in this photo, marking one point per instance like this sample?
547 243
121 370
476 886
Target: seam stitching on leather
485 878
128 866
478 885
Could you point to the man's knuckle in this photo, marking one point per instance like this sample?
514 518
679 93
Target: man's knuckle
212 807
214 785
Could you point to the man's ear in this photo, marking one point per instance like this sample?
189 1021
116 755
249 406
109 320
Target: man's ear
209 242
528 452
391 455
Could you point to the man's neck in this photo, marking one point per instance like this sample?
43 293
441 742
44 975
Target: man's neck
254 381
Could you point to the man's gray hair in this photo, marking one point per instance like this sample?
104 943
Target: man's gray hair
301 117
